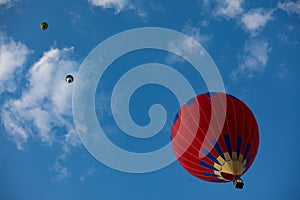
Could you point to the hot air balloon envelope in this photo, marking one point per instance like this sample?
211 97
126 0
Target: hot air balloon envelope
44 25
210 155
69 78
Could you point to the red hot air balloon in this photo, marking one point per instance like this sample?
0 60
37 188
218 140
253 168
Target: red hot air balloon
215 152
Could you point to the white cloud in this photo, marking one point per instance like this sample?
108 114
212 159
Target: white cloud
8 3
121 5
15 129
45 103
74 16
254 60
2 2
70 141
117 5
256 19
194 32
189 45
229 8
252 21
140 12
12 59
290 7
282 71
89 172
62 171
287 40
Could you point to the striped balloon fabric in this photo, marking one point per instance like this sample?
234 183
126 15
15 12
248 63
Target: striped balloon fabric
215 137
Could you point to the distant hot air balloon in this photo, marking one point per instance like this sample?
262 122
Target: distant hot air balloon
69 78
218 157
44 25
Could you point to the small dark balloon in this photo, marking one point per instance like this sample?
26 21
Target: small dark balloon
69 78
44 25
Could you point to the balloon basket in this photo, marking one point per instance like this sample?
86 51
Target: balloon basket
238 183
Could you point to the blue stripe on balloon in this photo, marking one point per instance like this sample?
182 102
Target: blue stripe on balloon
238 145
210 156
228 144
247 150
209 174
217 147
176 117
204 164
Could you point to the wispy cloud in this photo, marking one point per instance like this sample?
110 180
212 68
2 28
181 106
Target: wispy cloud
285 39
256 51
254 60
42 112
194 32
12 59
3 2
8 3
69 142
256 19
291 7
229 8
62 172
117 5
16 128
188 45
74 16
253 20
120 6
282 71
45 102
88 173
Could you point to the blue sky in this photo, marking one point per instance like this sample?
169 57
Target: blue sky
255 45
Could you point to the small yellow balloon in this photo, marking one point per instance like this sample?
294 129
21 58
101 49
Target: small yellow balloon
44 25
